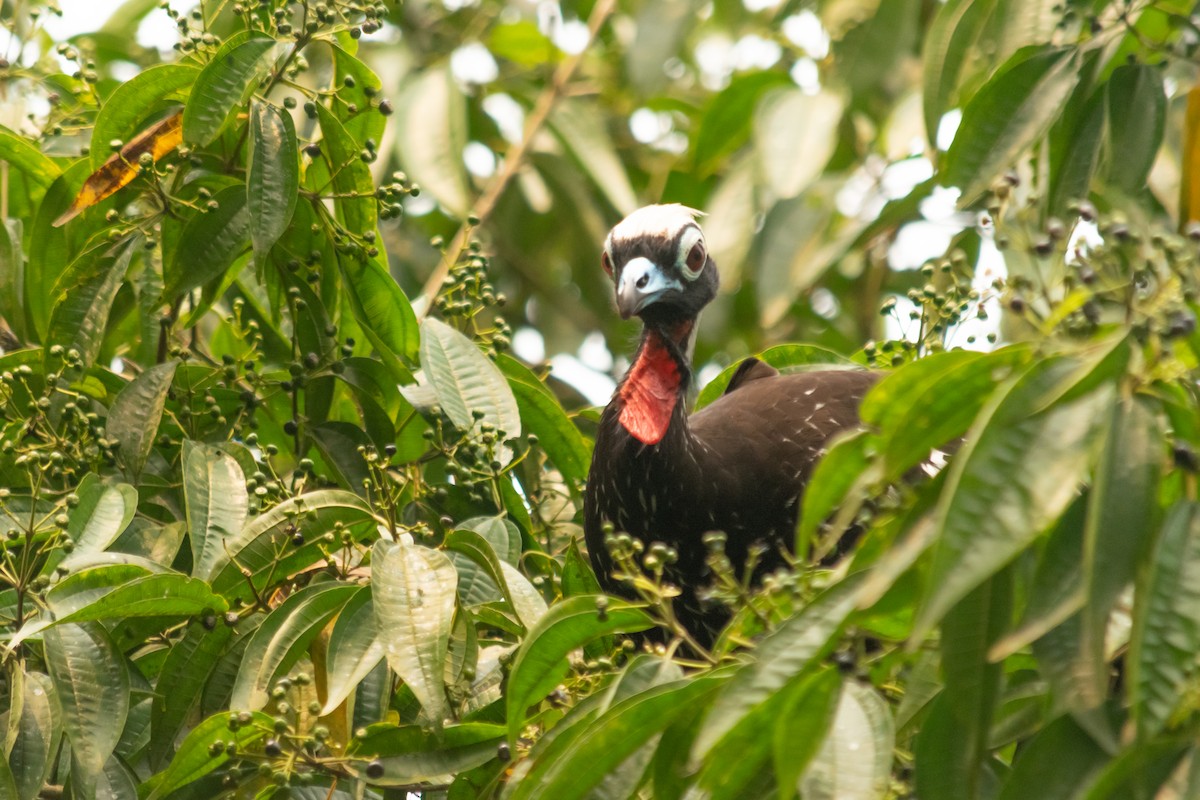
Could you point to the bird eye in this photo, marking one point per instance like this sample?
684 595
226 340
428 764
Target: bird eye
606 262
695 258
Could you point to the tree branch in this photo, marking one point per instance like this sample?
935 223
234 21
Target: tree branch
513 160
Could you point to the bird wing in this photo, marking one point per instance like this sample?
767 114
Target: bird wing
750 370
762 440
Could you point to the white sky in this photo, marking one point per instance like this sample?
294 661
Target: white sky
81 16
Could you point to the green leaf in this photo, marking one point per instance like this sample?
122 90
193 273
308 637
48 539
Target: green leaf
35 729
1016 474
1139 771
194 761
430 144
219 687
801 725
367 122
601 747
1101 365
350 176
1137 105
742 755
325 503
18 152
8 783
480 579
500 533
85 585
541 661
1074 150
12 278
342 445
855 763
577 575
483 577
51 250
319 792
257 547
82 589
1007 116
383 311
1166 622
543 416
165 595
527 601
224 83
790 650
181 678
282 638
411 754
876 46
92 683
641 673
937 775
879 408
116 781
972 684
846 463
890 553
355 648
923 686
132 101
378 397
215 497
210 243
135 414
933 401
795 133
373 696
466 381
102 513
414 590
1054 764
582 131
1017 23
273 177
726 123
516 509
1058 590
949 43
83 298
522 43
549 748
1121 522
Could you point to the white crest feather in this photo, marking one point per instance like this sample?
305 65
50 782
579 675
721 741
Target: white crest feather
660 220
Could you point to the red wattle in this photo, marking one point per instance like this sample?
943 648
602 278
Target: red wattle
650 392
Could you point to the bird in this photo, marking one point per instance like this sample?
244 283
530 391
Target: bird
738 466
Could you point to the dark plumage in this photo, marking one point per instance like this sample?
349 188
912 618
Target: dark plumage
739 465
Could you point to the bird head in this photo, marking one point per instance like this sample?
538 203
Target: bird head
659 261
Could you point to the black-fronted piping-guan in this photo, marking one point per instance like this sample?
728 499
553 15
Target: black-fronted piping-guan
740 464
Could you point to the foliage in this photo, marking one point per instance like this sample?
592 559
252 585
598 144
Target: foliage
270 529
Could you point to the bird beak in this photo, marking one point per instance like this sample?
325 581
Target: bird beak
642 282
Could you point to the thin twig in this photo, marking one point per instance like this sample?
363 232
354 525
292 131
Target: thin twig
514 159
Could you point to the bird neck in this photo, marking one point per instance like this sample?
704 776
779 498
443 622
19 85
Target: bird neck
657 382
